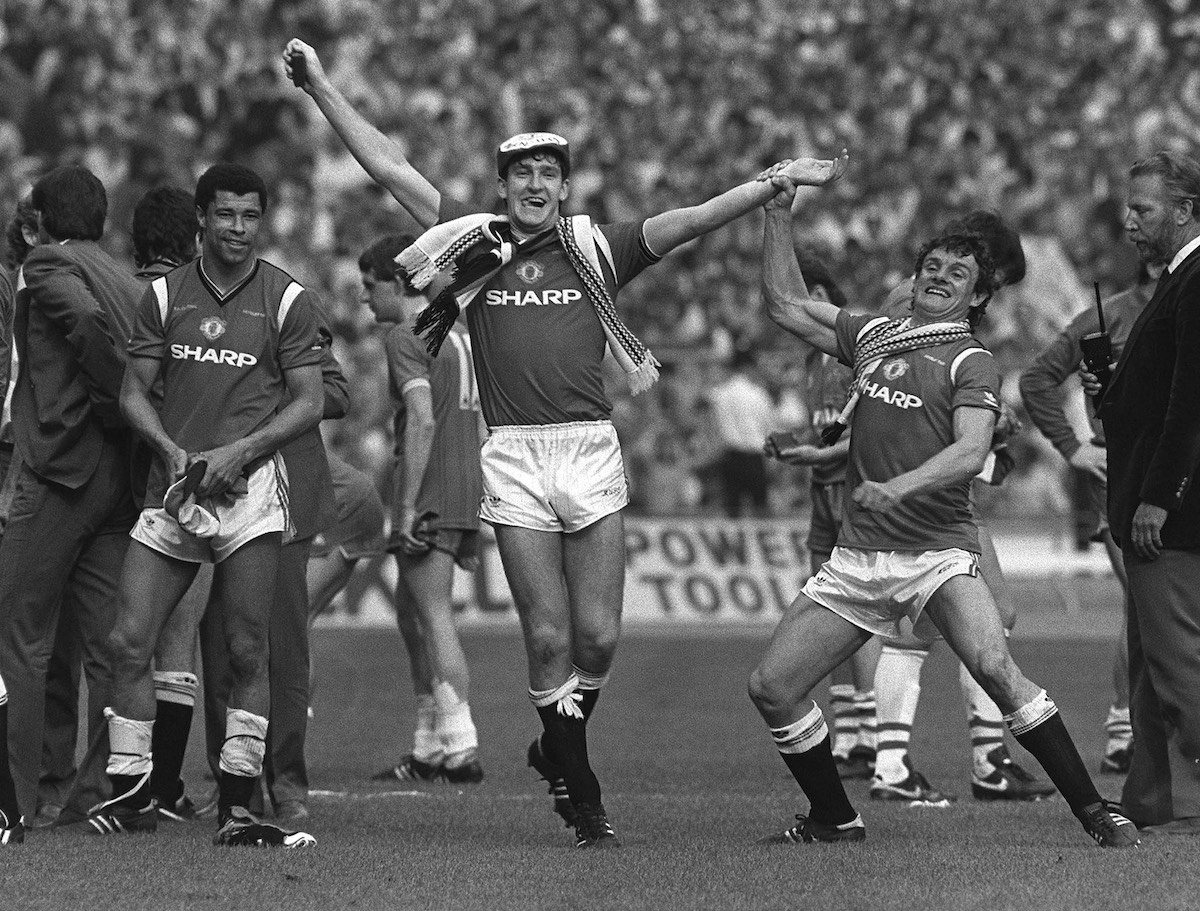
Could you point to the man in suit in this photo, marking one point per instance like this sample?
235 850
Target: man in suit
1151 416
72 509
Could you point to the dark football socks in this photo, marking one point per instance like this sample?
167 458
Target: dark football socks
236 791
172 725
1039 728
565 744
807 751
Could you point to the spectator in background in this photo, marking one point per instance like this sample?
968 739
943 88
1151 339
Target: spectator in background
73 505
1041 391
1151 416
742 415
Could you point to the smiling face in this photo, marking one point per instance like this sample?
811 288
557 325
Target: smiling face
944 286
1153 218
229 227
533 189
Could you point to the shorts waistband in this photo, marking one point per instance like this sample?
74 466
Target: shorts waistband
548 431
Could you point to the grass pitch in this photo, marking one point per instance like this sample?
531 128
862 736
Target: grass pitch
690 777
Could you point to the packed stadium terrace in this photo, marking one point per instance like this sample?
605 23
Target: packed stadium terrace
1014 108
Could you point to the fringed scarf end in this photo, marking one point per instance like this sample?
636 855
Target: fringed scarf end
434 322
645 375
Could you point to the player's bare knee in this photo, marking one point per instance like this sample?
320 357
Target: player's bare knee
596 647
247 656
129 647
547 645
768 691
997 673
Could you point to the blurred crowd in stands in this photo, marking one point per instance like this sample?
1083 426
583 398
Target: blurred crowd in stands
1033 109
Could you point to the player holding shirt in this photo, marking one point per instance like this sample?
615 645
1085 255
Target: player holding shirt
227 334
541 319
437 486
922 420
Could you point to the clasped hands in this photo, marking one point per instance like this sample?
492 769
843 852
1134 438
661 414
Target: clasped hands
791 173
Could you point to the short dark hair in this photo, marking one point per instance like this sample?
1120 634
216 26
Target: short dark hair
815 272
380 257
164 227
15 247
72 202
1003 243
1180 174
232 178
965 243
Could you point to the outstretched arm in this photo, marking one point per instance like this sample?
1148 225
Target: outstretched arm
666 231
789 304
380 157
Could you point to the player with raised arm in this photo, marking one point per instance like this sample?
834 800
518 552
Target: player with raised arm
554 484
923 407
226 335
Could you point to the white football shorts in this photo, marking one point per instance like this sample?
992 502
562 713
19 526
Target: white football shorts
552 477
876 589
259 511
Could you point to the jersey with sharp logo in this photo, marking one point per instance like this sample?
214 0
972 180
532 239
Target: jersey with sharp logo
538 341
221 356
453 484
904 418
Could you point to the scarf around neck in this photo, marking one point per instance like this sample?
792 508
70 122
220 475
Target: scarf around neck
883 340
451 262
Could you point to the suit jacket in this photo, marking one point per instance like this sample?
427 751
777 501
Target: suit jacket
1151 412
75 307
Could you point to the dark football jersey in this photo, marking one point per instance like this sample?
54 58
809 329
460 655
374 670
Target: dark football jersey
538 343
452 484
904 418
221 357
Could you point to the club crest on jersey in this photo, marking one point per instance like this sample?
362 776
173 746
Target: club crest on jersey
212 327
893 370
530 272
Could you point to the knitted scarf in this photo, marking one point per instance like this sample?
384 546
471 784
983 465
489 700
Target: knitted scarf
450 262
883 340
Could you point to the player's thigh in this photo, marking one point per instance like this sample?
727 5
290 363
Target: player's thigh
594 569
533 566
808 643
989 567
248 579
966 615
152 585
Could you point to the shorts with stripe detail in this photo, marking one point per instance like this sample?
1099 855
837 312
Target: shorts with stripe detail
876 589
261 510
552 477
